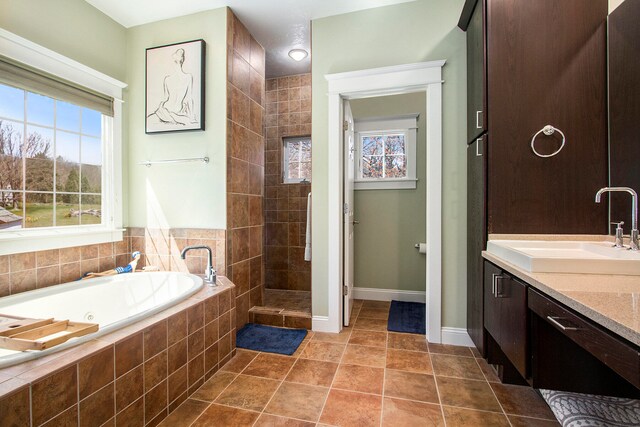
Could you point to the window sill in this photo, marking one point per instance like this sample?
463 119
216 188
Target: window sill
21 241
387 184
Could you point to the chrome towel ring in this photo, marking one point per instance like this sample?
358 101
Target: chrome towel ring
547 130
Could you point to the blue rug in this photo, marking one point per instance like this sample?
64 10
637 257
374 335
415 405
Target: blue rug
408 317
269 338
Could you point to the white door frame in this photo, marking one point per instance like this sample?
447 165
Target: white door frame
394 80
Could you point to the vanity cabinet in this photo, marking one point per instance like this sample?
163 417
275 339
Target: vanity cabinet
532 64
505 315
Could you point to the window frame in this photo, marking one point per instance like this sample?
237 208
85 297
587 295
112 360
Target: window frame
285 156
111 227
406 125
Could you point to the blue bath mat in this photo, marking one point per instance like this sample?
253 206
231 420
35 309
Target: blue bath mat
408 317
270 339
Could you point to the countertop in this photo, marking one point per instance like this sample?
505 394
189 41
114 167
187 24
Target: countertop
612 301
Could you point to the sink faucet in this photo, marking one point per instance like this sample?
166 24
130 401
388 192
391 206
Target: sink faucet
634 243
210 273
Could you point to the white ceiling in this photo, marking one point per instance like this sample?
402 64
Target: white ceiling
279 25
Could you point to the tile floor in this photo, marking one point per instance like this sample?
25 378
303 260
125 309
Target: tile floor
288 300
364 376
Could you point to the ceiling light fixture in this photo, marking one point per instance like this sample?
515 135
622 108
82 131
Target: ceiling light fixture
298 54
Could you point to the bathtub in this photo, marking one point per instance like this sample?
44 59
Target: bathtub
113 302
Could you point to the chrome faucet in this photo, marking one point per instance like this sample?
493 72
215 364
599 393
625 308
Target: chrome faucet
633 243
210 273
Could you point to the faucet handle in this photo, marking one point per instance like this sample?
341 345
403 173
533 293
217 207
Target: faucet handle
619 233
619 224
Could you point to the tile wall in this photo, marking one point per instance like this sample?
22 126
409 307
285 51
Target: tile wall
135 376
288 114
159 247
245 166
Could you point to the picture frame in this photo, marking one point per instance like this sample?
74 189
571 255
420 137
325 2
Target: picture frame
175 87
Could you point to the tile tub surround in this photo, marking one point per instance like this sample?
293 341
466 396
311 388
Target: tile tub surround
288 114
134 376
245 166
159 247
362 377
609 300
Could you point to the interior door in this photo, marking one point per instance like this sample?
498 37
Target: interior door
349 177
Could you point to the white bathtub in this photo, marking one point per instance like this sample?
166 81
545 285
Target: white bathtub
113 302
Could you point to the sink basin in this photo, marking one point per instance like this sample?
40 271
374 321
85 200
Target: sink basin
539 256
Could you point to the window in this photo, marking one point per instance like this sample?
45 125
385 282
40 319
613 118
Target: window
386 150
50 161
297 160
60 150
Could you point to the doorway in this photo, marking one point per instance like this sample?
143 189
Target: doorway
421 77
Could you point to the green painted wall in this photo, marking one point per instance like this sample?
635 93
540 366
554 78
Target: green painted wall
392 221
410 32
187 194
72 28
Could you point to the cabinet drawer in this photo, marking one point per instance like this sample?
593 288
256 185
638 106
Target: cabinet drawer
617 354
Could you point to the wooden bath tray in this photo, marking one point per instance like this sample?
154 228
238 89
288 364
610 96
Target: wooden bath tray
39 334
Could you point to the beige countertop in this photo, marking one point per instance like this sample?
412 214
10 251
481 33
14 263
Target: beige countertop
612 301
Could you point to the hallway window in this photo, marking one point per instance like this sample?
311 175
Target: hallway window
297 159
386 153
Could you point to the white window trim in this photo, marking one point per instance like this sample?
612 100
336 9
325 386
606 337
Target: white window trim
405 124
35 239
285 167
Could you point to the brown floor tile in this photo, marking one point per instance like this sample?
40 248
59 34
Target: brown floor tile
217 415
239 361
370 338
519 400
363 355
327 351
531 422
267 420
374 313
410 385
365 379
404 413
248 393
412 342
269 366
300 401
214 386
404 360
453 350
313 372
185 414
476 353
489 373
467 394
340 338
347 408
459 417
456 366
364 323
376 304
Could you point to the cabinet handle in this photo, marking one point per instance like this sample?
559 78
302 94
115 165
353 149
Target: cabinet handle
478 144
494 288
554 320
478 124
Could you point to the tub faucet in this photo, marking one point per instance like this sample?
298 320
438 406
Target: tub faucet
210 273
634 244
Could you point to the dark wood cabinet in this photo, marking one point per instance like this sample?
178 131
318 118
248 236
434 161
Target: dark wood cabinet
476 230
476 74
505 315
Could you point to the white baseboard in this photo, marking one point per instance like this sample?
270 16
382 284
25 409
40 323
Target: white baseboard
456 336
320 324
374 294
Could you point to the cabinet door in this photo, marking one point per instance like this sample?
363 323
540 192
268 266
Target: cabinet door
546 65
476 239
492 303
476 81
513 319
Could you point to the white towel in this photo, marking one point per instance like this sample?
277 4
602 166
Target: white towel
307 247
